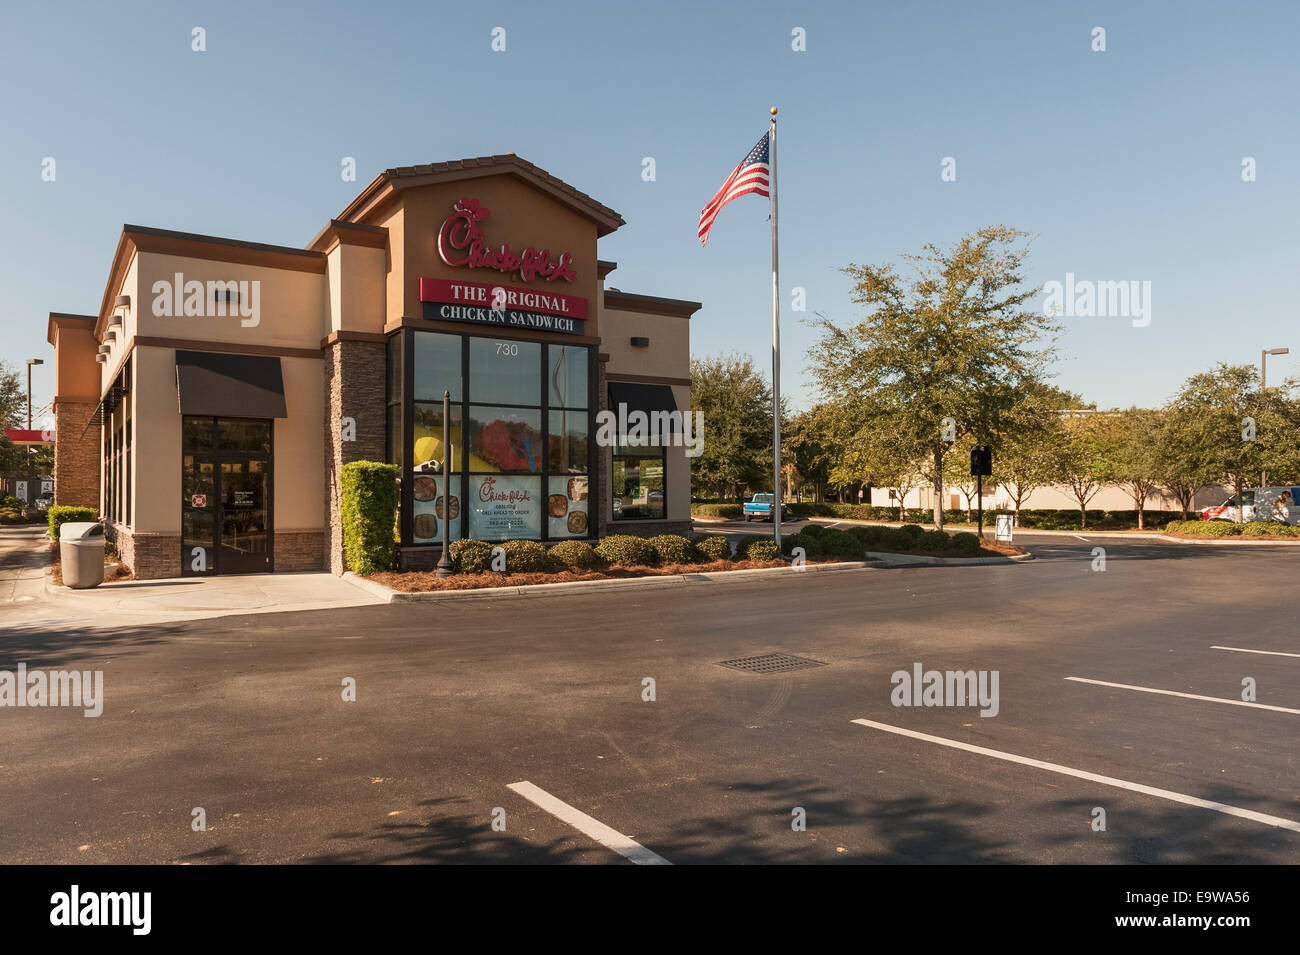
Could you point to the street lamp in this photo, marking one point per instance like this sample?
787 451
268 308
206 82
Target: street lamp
30 362
1263 378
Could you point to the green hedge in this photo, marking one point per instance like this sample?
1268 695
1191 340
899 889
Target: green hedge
575 555
470 557
369 506
528 557
757 548
672 549
837 543
626 550
811 545
966 543
11 503
718 510
712 547
1229 529
63 513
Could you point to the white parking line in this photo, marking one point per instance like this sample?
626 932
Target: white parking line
1271 653
587 826
1172 796
1084 539
1186 696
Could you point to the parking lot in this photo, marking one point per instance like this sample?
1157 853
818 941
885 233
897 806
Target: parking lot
1118 690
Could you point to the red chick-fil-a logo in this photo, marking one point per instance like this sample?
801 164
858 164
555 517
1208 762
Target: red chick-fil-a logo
460 242
487 493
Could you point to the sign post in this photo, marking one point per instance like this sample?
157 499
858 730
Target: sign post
981 465
444 562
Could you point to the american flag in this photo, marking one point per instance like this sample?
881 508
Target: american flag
750 176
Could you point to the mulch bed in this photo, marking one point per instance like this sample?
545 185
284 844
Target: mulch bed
421 581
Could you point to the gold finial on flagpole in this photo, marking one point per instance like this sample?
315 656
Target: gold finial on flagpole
773 110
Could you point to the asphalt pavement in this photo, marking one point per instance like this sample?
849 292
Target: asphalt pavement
457 705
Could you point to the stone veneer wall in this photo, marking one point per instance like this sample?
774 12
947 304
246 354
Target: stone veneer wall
299 551
356 383
77 458
149 556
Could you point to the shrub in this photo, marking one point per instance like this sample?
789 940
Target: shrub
895 538
712 547
11 503
575 555
1259 528
470 557
913 530
868 535
671 549
757 548
935 540
965 543
718 510
1218 529
528 557
837 543
813 530
1176 527
64 513
625 549
812 546
369 506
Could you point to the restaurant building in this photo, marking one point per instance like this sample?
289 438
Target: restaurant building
208 407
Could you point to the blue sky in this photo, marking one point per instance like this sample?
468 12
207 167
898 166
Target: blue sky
1125 165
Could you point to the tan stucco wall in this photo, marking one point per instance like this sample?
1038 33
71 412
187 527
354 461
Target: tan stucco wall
519 216
293 306
667 356
130 286
157 435
300 448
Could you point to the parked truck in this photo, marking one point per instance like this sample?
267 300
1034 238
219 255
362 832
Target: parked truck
759 507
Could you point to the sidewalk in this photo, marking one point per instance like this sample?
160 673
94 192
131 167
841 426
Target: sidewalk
28 596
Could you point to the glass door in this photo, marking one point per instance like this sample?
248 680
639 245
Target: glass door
244 541
198 514
226 507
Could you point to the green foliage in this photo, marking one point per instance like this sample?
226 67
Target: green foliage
626 550
867 534
965 543
811 545
470 557
838 543
671 549
528 557
730 511
576 555
1260 528
367 511
712 547
757 548
913 531
935 540
895 538
736 402
1217 529
64 513
11 503
813 530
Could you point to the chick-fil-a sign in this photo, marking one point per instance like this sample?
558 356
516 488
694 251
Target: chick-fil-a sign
460 242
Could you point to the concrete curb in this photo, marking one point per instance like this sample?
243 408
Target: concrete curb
1230 541
592 586
898 561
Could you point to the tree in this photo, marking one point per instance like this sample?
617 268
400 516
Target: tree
953 342
14 459
807 442
1081 460
737 404
1229 431
1132 441
1024 461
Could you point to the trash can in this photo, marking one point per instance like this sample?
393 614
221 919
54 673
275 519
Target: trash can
81 552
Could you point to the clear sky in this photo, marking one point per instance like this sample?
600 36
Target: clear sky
1125 164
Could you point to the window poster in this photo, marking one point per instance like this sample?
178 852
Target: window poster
430 506
566 506
504 507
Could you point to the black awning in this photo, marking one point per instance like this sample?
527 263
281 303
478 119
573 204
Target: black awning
229 386
642 397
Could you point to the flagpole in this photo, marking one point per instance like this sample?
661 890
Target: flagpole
776 349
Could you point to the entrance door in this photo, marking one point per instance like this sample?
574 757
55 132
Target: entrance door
226 507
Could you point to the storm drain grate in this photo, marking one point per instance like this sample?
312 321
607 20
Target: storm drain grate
771 663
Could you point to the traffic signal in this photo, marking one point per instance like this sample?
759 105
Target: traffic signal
981 461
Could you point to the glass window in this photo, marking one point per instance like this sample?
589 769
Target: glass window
505 507
568 438
505 440
236 435
638 487
428 435
437 366
395 367
505 372
394 434
198 434
567 376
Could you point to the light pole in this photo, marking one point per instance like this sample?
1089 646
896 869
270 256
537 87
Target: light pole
30 362
1263 379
